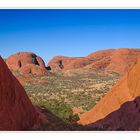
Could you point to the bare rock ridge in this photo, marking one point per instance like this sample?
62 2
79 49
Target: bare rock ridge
115 60
59 63
127 89
26 63
16 110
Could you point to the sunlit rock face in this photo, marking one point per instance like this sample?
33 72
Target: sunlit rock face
115 60
127 89
26 63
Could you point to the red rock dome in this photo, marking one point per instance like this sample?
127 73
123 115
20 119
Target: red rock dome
59 63
27 62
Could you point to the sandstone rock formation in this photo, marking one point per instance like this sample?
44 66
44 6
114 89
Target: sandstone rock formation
114 60
16 110
26 62
127 89
101 54
59 63
126 118
122 60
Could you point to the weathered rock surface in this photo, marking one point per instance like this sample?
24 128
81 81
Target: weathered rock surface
115 60
127 89
33 69
26 62
59 63
16 110
122 60
126 118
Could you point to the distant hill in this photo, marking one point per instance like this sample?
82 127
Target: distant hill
115 60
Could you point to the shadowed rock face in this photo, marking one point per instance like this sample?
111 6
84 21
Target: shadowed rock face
16 110
126 118
127 89
26 62
119 61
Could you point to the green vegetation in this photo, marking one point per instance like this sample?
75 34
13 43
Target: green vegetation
63 92
59 109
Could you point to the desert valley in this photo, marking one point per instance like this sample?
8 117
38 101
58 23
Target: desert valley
98 92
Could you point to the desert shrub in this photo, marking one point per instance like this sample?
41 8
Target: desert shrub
73 118
61 93
59 109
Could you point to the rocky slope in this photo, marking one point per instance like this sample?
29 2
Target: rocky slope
17 112
126 118
127 89
115 60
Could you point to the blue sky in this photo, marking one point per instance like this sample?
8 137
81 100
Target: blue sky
67 32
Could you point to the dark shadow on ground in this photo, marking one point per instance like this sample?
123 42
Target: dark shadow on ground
54 123
126 118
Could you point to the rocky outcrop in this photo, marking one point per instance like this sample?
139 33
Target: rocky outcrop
114 60
59 63
33 69
16 110
98 55
127 89
26 62
122 60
